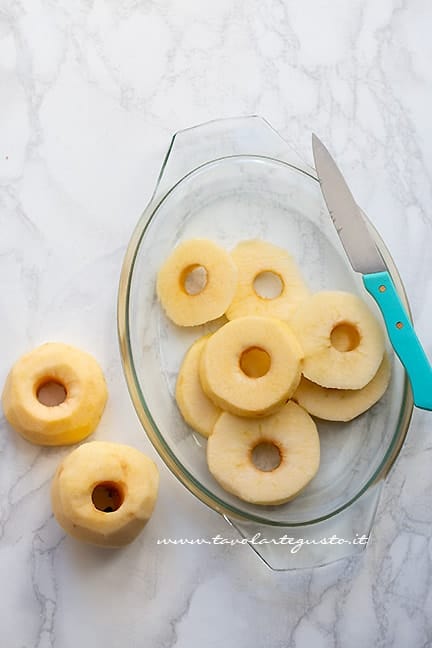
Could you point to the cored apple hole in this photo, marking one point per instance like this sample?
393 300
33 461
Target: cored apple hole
194 279
266 456
107 497
255 362
345 337
51 393
268 285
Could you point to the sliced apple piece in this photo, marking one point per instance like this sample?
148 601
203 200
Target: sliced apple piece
231 380
197 282
231 447
343 342
282 284
197 409
342 404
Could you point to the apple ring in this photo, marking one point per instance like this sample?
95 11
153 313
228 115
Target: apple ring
55 395
104 493
209 298
231 446
254 260
343 342
343 404
197 409
224 373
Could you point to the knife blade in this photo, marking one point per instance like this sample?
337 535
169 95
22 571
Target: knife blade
365 258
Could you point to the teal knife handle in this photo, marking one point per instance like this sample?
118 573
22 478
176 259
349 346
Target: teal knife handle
402 336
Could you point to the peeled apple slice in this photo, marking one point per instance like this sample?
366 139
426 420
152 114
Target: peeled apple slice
254 259
225 365
197 409
211 297
342 341
230 455
342 404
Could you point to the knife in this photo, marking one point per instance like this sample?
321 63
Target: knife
366 259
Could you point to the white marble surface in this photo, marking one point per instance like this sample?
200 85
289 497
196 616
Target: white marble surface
90 92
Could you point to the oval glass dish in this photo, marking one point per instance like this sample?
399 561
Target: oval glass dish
231 180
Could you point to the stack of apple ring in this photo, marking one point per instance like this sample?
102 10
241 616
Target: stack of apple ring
279 359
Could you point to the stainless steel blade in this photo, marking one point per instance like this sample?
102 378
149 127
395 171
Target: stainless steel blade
345 213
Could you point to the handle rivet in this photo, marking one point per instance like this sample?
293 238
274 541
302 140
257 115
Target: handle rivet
399 325
382 288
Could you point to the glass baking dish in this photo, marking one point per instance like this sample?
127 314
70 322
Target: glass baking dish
230 180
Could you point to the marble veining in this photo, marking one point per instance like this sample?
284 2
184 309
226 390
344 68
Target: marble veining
90 94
